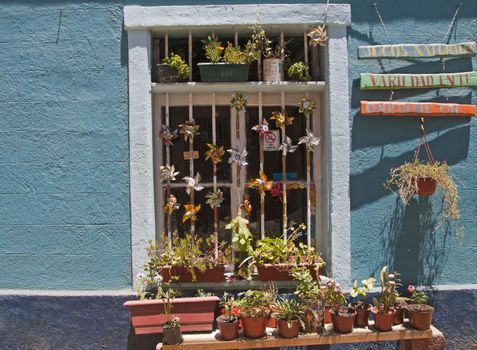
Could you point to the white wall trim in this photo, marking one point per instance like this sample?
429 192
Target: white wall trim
150 17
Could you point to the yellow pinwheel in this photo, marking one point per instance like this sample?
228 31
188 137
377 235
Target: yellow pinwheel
261 184
190 212
189 129
281 119
215 153
214 198
247 206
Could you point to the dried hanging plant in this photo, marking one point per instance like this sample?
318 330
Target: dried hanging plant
239 102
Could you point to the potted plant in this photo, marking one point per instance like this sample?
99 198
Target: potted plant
229 64
276 257
299 71
289 313
360 303
420 314
310 296
172 334
383 305
421 178
228 322
172 69
191 259
342 317
255 308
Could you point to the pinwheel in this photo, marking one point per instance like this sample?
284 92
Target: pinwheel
261 128
190 212
171 204
214 198
189 129
306 106
215 153
317 35
261 184
281 119
192 183
238 102
277 191
239 158
168 173
287 147
309 140
247 207
166 135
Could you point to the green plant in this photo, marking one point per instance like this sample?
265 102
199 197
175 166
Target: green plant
404 178
174 322
213 48
334 296
202 293
360 293
307 288
385 302
241 235
418 297
288 310
264 46
234 54
256 303
176 62
229 303
299 69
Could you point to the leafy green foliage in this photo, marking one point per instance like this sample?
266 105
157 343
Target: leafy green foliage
241 235
301 70
307 288
213 49
256 303
360 293
288 310
176 61
334 296
229 303
234 54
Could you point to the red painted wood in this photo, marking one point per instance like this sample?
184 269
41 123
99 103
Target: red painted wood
215 274
185 328
185 318
416 109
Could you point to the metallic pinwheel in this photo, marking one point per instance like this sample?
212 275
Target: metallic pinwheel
171 204
239 102
168 173
261 128
317 35
215 153
287 147
239 158
189 129
309 140
192 183
247 207
281 119
261 184
166 135
214 198
190 212
306 106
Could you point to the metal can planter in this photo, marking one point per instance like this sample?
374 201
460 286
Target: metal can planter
273 70
223 72
166 74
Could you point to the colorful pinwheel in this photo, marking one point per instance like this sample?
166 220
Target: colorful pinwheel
239 158
215 153
261 128
171 204
247 207
192 183
261 184
189 129
166 135
306 106
239 102
277 191
309 140
214 198
287 147
190 212
168 173
318 35
281 119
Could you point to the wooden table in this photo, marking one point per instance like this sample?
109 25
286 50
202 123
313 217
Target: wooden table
404 333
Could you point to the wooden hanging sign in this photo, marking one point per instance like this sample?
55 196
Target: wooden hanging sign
417 81
191 155
418 51
416 109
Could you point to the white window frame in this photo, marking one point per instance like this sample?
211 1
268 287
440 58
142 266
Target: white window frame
334 201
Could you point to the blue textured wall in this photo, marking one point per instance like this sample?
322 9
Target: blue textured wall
64 196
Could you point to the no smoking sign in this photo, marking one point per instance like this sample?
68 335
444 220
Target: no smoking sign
271 140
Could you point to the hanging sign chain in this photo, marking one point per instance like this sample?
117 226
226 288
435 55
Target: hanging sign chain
423 142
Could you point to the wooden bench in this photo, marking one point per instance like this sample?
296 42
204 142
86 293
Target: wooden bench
411 339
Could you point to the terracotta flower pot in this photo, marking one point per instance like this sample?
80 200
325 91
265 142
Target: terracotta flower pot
280 272
288 332
384 322
215 274
426 186
420 319
272 322
327 314
254 327
398 316
362 317
343 320
172 336
228 330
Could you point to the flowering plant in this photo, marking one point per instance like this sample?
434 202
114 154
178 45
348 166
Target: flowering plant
385 302
213 49
360 294
418 297
334 296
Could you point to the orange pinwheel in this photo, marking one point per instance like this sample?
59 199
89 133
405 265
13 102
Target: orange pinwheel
191 212
281 119
247 206
261 184
215 153
171 204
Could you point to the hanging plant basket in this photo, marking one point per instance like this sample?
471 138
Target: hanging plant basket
426 186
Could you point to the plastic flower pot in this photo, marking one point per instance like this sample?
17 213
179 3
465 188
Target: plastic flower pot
426 186
343 320
384 322
228 330
166 74
224 72
172 336
254 327
288 329
362 317
420 317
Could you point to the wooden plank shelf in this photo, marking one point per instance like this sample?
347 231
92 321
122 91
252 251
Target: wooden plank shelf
211 341
250 86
